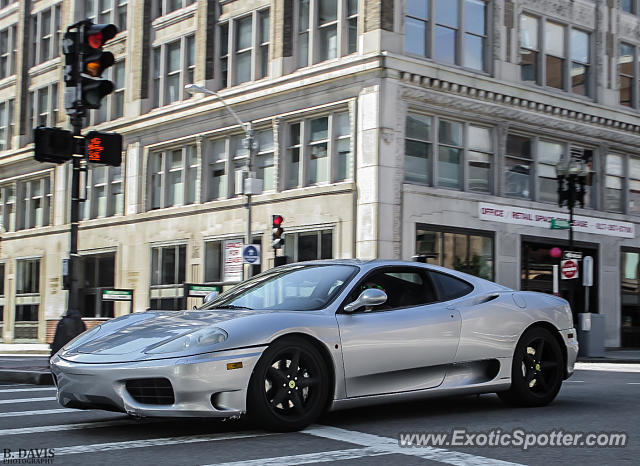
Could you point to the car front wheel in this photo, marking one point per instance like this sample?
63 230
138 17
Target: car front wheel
289 386
537 372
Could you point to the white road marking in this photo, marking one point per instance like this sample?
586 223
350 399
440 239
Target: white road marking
607 366
154 442
574 381
633 383
27 400
391 445
16 390
320 457
62 427
39 412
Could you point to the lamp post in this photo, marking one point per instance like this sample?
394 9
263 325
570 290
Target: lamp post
249 143
572 178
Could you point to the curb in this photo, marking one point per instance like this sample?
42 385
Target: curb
32 377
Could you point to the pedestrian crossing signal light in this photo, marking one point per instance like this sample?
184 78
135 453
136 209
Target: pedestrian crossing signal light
53 145
105 148
278 240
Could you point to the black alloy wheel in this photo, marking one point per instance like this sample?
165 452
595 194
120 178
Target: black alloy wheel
537 372
289 386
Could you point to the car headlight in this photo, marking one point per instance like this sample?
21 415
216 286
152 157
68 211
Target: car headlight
200 338
82 338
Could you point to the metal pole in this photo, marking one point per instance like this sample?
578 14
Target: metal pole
572 199
250 142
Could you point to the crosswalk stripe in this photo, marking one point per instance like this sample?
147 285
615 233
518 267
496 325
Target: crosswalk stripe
110 446
391 445
17 390
39 412
63 427
306 458
27 400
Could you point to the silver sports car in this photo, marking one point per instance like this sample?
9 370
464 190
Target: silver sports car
294 341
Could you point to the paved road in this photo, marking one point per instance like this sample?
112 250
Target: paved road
605 399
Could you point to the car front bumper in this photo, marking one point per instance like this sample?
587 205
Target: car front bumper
203 385
570 337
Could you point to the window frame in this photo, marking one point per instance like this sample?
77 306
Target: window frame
113 207
567 58
35 114
635 69
7 109
113 14
38 53
292 241
9 55
178 287
461 33
190 185
160 75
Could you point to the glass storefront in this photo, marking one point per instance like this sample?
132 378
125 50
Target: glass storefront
468 251
537 272
630 288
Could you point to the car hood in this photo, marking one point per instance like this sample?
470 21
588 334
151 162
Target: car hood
137 333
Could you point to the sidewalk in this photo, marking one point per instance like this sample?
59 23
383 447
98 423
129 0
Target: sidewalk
620 356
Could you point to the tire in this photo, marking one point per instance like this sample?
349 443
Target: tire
537 371
285 398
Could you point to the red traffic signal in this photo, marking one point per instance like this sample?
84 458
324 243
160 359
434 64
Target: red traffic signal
98 34
278 240
94 63
104 148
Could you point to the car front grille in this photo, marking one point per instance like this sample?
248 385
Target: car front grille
151 391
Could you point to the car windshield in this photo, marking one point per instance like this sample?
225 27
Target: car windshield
294 288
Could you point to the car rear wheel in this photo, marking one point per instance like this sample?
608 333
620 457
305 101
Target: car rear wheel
289 386
537 372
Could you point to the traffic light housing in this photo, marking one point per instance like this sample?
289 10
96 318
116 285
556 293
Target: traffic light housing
102 147
278 240
94 62
53 145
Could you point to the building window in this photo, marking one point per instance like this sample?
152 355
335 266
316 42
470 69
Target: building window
217 184
35 197
453 153
7 124
8 207
168 267
309 245
105 193
549 154
42 107
107 11
325 29
628 5
46 35
222 264
469 252
250 52
98 272
449 31
8 52
27 299
265 167
112 106
173 177
553 68
613 183
164 7
173 66
517 166
627 73
323 145
634 186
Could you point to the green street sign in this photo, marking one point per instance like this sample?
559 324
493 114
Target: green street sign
117 295
198 291
560 224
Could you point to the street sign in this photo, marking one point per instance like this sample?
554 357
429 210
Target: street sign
251 254
560 224
569 269
193 290
232 271
576 255
117 295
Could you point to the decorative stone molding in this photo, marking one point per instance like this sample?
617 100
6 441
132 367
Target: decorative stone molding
510 107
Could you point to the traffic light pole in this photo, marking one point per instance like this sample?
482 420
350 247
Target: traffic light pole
250 143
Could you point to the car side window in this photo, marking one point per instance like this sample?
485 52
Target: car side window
404 288
450 287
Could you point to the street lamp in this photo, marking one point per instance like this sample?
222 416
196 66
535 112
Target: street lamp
250 187
572 179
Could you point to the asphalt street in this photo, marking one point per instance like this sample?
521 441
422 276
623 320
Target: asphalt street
601 399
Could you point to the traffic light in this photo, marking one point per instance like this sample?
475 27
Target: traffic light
104 148
53 145
94 62
278 240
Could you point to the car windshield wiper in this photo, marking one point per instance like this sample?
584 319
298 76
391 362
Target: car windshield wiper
230 306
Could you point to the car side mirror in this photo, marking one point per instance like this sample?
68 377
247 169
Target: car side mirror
211 296
369 297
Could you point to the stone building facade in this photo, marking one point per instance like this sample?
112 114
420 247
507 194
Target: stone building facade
386 128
